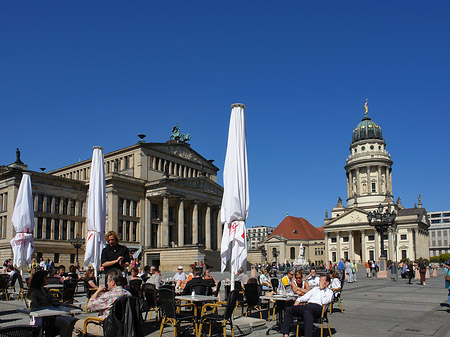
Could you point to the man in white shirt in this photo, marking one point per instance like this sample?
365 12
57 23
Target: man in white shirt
179 277
313 279
314 299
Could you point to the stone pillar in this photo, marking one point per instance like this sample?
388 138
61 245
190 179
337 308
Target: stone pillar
52 228
391 252
416 244
379 179
113 215
165 222
148 223
195 223
181 223
363 246
338 246
369 184
377 246
358 182
350 185
219 230
351 253
208 227
326 248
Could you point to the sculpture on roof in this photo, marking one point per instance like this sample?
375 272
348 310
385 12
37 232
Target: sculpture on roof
366 107
178 136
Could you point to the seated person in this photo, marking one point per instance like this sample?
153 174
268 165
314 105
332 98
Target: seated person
241 276
264 280
288 279
72 274
38 296
299 286
179 277
312 278
313 301
102 301
14 276
197 280
89 282
155 279
189 277
135 274
211 279
335 283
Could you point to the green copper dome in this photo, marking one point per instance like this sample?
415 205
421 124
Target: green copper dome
366 129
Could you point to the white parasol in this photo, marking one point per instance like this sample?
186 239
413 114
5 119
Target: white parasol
96 216
23 221
235 202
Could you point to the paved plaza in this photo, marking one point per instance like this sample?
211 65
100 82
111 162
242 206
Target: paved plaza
372 307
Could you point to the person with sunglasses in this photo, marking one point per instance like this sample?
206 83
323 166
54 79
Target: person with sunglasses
288 279
299 285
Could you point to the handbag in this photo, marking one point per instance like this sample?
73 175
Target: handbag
447 276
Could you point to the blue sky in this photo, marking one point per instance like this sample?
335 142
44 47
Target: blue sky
78 74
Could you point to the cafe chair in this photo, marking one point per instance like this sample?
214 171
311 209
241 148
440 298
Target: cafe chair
134 287
151 300
322 319
53 280
337 298
201 289
223 320
171 315
68 292
20 331
275 283
252 299
4 283
240 296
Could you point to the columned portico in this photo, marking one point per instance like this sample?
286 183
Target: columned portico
165 222
195 223
181 223
208 227
351 254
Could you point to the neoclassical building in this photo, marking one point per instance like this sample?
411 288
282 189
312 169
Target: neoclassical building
369 183
162 198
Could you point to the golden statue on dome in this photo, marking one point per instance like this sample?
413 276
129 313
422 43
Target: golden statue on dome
366 107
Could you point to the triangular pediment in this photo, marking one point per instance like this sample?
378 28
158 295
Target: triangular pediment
181 150
355 216
200 183
274 239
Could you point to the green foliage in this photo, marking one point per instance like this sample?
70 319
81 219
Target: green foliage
404 260
435 259
444 257
390 262
426 261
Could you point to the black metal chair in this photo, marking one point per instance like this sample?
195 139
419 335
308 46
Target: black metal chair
170 314
252 299
4 283
201 289
320 320
20 331
275 283
134 287
53 280
68 292
224 319
216 293
151 300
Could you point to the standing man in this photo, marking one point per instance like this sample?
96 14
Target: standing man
102 302
115 256
341 268
314 299
422 270
348 271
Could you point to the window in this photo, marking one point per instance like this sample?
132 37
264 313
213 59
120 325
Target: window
72 258
345 239
293 253
48 228
64 230
40 204
171 217
404 254
155 211
333 239
48 207
39 228
371 238
56 229
371 255
403 237
120 206
385 236
127 230
333 258
134 206
374 187
446 220
56 258
72 207
437 215
134 232
127 207
56 208
72 230
346 255
120 230
436 221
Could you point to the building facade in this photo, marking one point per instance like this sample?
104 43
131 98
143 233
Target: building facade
161 197
369 184
256 234
439 232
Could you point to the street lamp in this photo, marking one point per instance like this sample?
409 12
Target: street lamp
77 243
382 221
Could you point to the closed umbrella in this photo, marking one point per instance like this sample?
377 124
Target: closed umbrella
23 221
96 216
235 202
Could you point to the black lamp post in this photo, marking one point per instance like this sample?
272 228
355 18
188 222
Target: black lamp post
382 221
77 243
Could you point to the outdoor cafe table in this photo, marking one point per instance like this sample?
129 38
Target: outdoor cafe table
54 286
281 302
198 300
48 314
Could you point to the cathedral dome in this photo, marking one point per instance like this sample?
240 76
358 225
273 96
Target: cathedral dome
366 129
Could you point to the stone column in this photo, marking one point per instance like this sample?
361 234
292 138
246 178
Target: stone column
219 230
350 185
369 184
391 253
351 254
377 246
165 222
326 248
416 244
379 179
148 223
338 246
195 223
52 228
208 227
363 246
358 182
181 223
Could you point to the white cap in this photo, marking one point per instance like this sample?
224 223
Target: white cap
180 267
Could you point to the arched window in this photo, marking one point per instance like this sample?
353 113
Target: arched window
292 253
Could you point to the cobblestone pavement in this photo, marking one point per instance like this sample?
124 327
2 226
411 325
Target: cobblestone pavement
372 307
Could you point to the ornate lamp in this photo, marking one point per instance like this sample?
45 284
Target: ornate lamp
77 243
381 222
